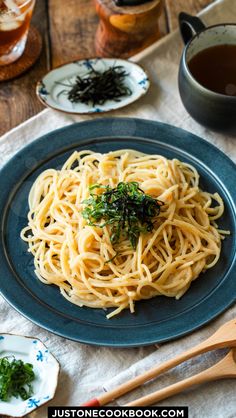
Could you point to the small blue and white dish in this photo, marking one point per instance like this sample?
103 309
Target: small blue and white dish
53 88
45 366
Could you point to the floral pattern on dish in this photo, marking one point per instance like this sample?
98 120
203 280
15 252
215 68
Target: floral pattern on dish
52 89
46 369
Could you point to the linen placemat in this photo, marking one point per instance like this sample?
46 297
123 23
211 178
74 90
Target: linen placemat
85 369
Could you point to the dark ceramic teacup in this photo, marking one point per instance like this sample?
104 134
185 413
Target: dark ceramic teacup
211 109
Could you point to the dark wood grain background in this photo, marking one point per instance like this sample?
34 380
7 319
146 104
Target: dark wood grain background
68 30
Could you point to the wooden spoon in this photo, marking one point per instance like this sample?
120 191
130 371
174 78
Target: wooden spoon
225 368
225 336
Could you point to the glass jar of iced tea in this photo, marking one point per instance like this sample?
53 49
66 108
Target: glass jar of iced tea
15 16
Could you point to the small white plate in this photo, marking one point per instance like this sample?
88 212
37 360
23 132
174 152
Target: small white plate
52 94
45 366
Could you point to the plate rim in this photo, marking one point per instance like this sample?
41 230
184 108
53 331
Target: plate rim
112 109
108 121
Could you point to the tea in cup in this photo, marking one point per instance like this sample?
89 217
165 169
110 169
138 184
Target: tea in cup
207 74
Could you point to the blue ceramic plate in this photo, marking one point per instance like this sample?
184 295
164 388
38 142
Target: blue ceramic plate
157 320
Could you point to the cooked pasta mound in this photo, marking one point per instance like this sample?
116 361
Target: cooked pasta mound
81 259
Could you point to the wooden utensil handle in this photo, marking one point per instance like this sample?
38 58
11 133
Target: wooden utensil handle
220 370
225 336
151 374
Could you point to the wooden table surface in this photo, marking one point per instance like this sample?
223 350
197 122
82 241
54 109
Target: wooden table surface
68 30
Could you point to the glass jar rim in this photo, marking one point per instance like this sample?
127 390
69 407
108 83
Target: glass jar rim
25 3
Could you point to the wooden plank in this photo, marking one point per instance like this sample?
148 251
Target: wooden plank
173 8
72 30
18 101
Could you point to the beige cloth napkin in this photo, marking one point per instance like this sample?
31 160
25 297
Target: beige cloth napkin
86 369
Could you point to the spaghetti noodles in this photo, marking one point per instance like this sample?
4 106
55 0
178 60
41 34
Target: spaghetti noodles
80 258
